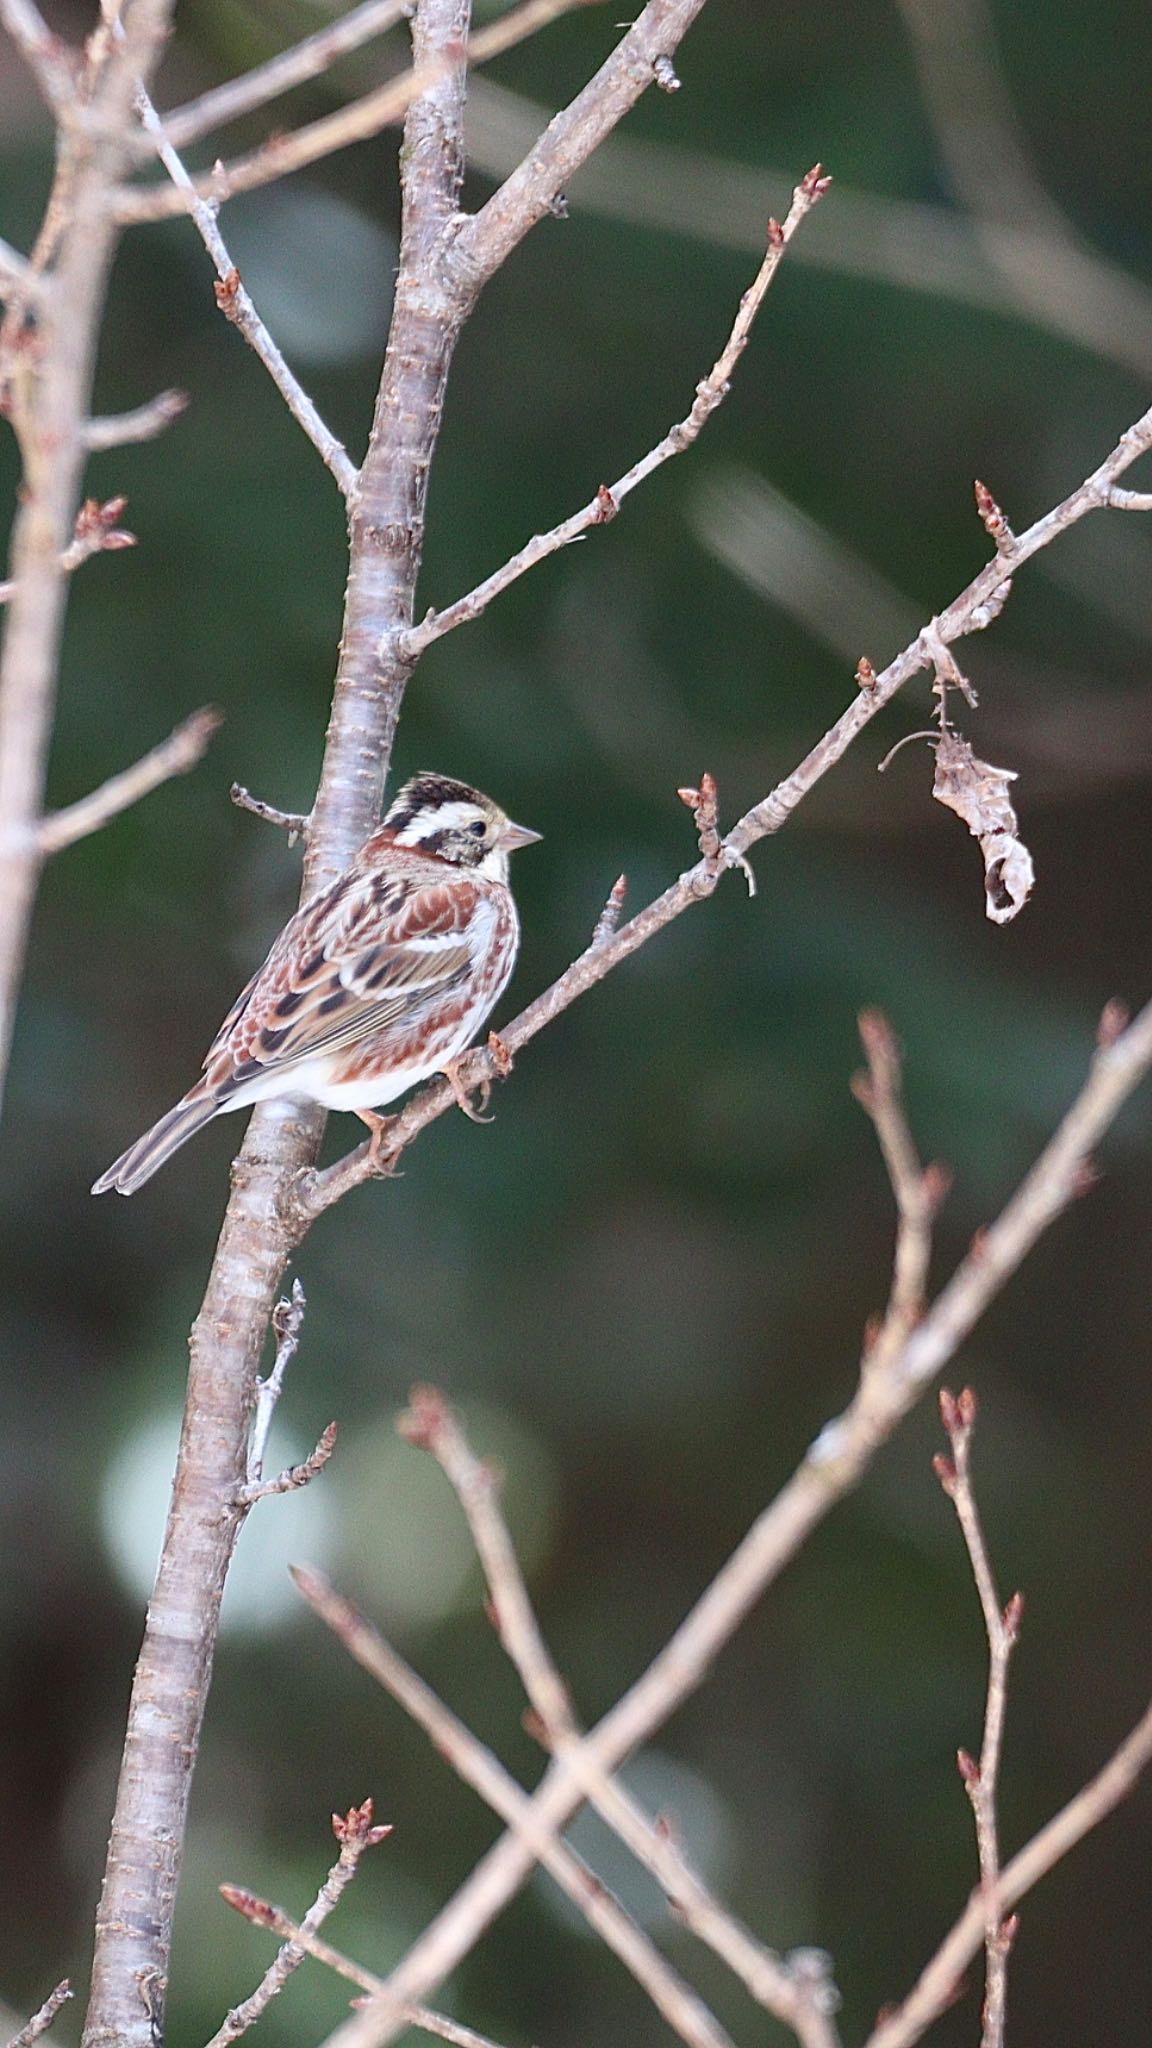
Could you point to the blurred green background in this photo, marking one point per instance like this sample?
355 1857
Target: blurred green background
645 1284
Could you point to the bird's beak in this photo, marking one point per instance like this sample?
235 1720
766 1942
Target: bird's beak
517 835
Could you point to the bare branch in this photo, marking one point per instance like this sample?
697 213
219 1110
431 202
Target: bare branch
42 2020
489 237
236 304
287 1322
830 1469
355 1833
433 1426
95 533
937 1984
300 1936
966 614
918 1190
354 123
306 59
52 61
176 755
710 393
142 424
1002 1627
294 823
533 1838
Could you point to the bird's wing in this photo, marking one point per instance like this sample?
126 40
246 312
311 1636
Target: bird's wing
354 961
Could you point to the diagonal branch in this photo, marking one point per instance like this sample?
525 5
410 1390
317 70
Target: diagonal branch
236 304
309 58
42 2019
1092 1804
804 2005
710 393
831 1468
355 1833
1002 1627
533 1837
301 1938
968 613
176 755
354 123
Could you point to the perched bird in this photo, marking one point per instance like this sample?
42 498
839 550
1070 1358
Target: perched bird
379 982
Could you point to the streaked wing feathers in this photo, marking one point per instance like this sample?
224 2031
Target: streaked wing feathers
349 964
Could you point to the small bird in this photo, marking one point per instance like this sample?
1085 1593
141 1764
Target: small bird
379 982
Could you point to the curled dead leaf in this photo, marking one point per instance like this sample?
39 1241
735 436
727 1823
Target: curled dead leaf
978 793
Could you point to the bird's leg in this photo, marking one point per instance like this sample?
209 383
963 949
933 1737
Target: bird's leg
377 1150
462 1092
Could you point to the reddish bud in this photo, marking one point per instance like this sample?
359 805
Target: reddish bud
936 1182
872 1329
865 673
978 1245
876 1035
246 1902
814 184
861 1087
1114 1020
606 506
1013 1616
968 1768
225 290
423 1421
1085 1177
949 1414
967 1407
945 1472
775 233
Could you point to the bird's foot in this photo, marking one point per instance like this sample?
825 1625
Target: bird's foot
380 1159
463 1092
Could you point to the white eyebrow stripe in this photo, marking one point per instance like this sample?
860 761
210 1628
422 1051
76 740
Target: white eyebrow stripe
451 817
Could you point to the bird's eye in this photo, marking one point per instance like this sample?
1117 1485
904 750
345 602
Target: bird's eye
478 828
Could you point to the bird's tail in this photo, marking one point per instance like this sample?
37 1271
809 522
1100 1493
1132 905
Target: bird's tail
148 1154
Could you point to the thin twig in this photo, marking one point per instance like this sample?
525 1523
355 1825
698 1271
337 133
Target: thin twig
534 1838
710 393
918 1190
287 1322
52 62
830 1469
294 823
42 2020
306 59
355 1833
434 1426
95 532
176 755
1002 1626
967 613
142 424
936 1986
354 123
299 1935
235 302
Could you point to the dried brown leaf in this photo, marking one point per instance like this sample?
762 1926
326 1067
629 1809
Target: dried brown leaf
978 793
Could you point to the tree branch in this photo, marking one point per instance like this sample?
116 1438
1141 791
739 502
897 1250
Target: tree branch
710 393
176 755
49 408
306 59
354 123
355 1833
831 1468
532 1839
42 2019
936 1986
299 1936
1002 1627
236 305
804 2005
972 610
